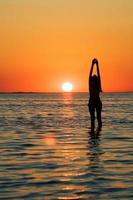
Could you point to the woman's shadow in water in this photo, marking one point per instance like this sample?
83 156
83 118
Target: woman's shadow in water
95 167
94 134
96 170
94 147
98 175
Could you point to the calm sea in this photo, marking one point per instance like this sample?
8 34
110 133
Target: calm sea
48 152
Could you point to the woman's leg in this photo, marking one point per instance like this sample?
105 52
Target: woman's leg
92 116
98 110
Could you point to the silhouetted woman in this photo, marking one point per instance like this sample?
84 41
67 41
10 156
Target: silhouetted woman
95 103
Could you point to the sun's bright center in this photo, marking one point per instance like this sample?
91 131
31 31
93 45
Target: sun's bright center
67 87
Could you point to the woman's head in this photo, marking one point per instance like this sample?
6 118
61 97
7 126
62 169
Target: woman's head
95 84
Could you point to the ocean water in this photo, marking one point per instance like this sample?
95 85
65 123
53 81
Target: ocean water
47 150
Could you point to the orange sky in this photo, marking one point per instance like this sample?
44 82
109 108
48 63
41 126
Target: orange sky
46 43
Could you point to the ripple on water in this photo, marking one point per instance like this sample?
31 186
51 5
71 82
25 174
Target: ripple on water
48 152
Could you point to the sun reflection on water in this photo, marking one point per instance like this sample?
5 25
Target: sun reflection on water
49 140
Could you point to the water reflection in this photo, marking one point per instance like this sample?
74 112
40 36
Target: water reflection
94 153
94 145
95 167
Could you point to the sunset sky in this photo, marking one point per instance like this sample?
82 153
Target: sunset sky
44 43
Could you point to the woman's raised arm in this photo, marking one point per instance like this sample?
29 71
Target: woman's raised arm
98 73
91 70
90 75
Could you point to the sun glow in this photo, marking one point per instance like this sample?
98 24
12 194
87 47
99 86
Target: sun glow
67 87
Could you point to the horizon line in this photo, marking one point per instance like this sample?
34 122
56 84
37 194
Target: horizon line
21 92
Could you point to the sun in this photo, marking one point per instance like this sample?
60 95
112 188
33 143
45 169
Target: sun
67 87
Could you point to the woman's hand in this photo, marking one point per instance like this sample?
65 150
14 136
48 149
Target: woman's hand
94 61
